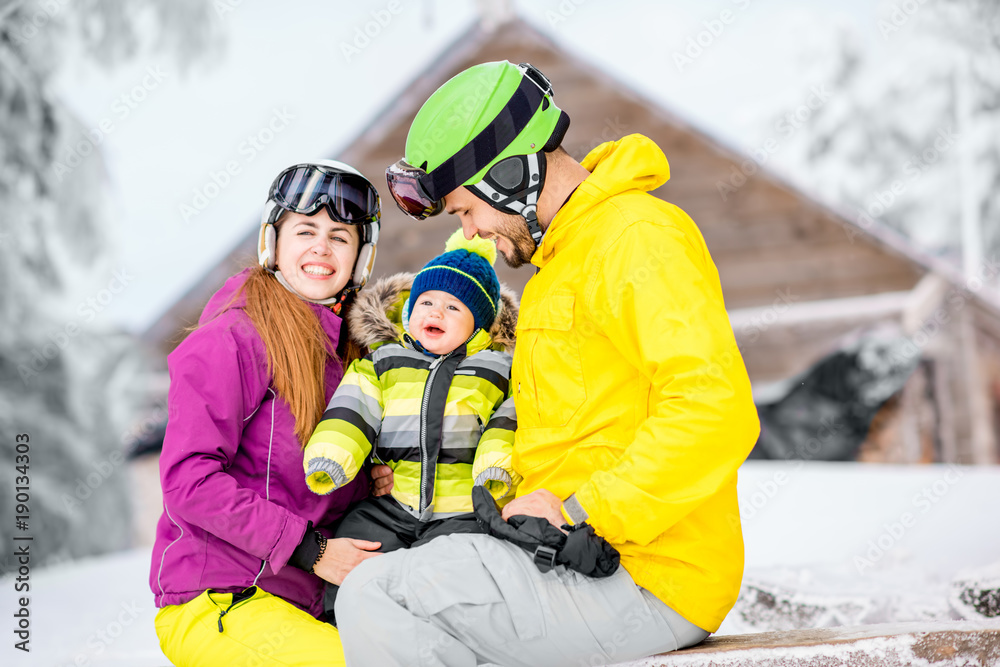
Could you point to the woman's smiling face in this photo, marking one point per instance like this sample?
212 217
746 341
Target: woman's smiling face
440 321
316 254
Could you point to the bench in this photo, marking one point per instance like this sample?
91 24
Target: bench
937 644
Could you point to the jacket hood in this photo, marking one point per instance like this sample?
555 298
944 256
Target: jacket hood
633 163
377 313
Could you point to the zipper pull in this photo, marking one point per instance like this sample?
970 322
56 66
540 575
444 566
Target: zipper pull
226 611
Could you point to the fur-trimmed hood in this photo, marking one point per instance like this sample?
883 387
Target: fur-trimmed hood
376 316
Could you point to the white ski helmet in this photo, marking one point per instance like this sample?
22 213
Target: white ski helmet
346 194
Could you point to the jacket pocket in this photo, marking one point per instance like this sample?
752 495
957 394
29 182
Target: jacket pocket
517 586
555 369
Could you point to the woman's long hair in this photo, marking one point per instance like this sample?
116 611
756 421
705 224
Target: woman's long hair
297 347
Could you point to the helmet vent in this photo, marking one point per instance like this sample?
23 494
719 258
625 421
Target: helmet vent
509 174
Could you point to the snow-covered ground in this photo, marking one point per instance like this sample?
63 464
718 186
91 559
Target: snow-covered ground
827 544
830 544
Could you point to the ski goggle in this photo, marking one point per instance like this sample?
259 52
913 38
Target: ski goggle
409 193
348 198
420 194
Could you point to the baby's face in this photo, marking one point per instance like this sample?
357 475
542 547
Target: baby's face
440 321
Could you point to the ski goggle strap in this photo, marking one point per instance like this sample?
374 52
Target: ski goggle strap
419 193
303 188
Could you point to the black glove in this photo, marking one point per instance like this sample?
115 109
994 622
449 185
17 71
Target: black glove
582 549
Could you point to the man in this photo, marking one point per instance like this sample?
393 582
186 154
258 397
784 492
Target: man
633 404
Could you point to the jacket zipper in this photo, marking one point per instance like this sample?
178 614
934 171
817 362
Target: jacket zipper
233 605
426 494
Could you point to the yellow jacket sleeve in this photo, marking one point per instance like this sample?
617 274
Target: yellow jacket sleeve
345 436
657 298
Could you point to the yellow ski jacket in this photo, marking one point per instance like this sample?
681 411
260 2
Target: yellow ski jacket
632 399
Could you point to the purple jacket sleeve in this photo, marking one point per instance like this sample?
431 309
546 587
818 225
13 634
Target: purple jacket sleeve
215 383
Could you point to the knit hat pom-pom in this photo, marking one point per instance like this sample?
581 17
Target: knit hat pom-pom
478 245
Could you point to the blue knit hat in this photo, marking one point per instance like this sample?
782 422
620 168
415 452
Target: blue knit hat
465 271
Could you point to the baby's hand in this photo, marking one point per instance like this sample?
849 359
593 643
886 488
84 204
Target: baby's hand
381 480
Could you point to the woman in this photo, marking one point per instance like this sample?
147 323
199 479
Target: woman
238 562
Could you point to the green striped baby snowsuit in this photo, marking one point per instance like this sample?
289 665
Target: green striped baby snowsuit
441 423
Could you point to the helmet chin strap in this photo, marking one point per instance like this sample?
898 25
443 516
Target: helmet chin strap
322 302
520 198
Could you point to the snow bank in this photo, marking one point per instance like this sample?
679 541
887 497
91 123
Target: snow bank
840 544
975 593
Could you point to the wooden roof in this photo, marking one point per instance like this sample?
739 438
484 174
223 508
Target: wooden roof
767 238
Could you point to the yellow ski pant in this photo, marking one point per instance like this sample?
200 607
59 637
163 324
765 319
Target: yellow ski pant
260 631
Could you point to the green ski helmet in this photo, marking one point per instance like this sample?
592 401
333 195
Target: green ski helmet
487 128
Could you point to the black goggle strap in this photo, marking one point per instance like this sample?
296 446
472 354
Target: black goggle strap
522 202
489 143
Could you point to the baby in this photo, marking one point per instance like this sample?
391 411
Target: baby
419 401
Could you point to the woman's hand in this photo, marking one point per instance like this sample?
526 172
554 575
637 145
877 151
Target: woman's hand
381 480
342 555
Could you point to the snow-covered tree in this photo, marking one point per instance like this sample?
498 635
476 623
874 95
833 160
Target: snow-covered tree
66 383
888 144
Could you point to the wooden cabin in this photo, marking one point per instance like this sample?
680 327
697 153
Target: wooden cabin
798 277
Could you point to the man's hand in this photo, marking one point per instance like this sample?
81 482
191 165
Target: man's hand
343 555
381 480
541 503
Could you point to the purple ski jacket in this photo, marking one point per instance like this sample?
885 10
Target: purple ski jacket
235 500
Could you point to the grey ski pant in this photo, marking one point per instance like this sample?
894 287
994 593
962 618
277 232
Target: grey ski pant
382 520
474 599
